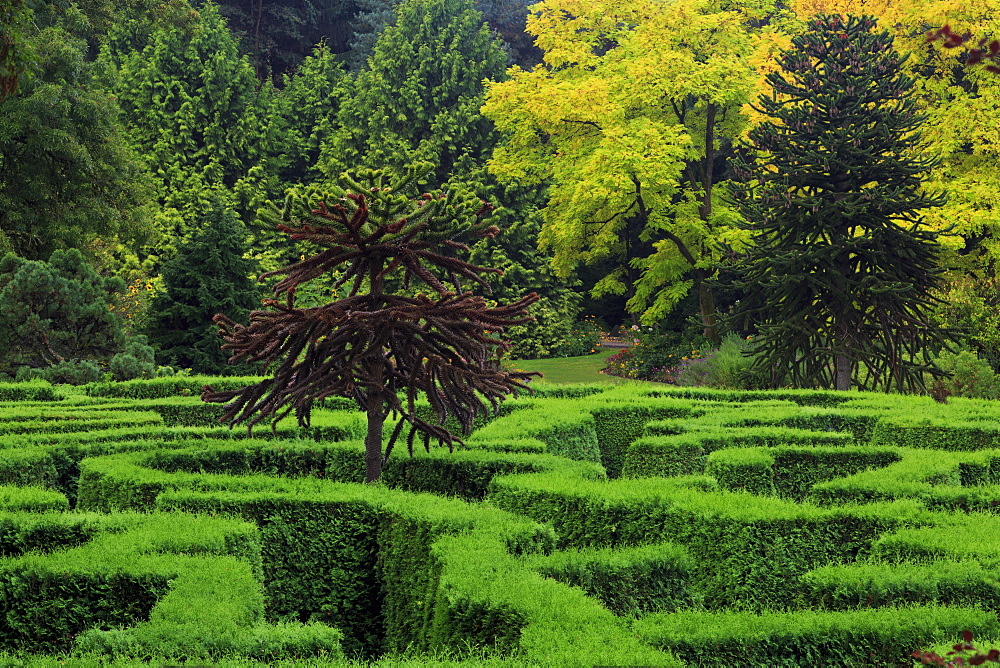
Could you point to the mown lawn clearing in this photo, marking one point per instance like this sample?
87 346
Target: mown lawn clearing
583 369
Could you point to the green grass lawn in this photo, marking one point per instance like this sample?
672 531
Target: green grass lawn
585 369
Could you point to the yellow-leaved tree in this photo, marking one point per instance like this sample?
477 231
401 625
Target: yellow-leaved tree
628 122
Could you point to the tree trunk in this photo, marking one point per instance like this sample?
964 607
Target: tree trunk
706 308
373 443
376 404
842 368
706 298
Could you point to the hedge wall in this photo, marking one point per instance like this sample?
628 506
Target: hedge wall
788 528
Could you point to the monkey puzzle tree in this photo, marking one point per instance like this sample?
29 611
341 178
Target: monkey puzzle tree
374 346
842 267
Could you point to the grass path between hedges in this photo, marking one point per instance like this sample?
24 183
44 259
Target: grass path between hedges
585 369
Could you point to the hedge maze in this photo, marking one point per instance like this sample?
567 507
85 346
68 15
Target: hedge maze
582 526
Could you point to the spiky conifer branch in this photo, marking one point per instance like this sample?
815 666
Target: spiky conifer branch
381 350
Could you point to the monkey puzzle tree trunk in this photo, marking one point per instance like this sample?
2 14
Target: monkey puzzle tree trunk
376 397
373 443
842 369
706 298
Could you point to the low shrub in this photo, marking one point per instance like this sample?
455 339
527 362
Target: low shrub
727 367
69 372
654 354
970 376
136 361
583 338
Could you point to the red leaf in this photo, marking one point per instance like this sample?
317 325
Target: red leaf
967 635
975 57
994 47
977 660
993 68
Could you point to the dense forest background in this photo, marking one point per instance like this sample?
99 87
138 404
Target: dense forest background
143 143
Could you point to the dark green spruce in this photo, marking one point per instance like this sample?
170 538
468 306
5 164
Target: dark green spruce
208 275
839 279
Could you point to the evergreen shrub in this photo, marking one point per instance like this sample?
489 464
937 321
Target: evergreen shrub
69 372
136 361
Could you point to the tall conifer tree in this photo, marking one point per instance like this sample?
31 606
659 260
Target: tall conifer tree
190 103
419 98
208 275
842 268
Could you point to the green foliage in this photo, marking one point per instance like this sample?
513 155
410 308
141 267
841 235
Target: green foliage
136 361
524 267
299 119
67 174
656 354
397 567
553 335
842 268
14 52
969 375
190 104
879 585
30 391
209 275
971 307
624 122
419 98
58 312
68 372
628 581
730 366
862 637
171 385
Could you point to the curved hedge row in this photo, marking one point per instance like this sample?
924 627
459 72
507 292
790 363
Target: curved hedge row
583 526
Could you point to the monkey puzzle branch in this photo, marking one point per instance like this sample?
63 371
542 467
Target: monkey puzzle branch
381 350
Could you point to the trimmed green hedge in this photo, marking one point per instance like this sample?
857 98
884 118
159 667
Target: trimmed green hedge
446 575
941 480
370 558
563 425
965 583
403 566
629 581
161 586
808 638
167 386
751 549
33 390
